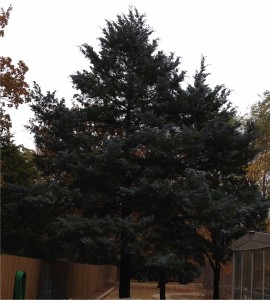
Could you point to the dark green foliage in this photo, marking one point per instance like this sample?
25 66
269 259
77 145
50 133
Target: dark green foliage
17 166
188 273
128 79
80 239
128 95
18 174
203 103
154 172
222 204
26 218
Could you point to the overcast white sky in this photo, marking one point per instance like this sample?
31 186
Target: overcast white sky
233 34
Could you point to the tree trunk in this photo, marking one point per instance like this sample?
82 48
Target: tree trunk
125 260
264 185
162 285
216 270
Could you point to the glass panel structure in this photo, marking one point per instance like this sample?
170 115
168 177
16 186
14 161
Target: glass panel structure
251 268
267 273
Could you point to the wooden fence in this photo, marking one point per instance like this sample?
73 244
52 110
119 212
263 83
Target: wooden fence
52 279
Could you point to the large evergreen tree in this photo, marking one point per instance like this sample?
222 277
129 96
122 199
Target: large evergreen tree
136 145
114 139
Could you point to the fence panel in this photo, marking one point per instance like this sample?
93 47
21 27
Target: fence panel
83 280
9 265
52 279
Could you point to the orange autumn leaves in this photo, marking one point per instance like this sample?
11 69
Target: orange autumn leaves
14 90
259 169
13 83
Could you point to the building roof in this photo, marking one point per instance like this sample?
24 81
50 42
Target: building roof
252 240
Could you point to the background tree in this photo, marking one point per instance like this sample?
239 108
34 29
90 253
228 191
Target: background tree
259 169
18 174
169 243
220 202
14 90
221 215
29 204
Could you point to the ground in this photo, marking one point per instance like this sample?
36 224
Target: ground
201 289
149 290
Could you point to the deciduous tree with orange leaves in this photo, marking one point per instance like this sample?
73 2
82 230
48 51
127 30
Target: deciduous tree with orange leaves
14 90
259 169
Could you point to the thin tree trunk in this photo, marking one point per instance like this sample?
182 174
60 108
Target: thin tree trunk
216 283
125 262
264 185
162 285
216 280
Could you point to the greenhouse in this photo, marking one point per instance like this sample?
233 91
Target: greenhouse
251 266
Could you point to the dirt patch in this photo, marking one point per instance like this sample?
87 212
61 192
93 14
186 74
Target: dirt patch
149 290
